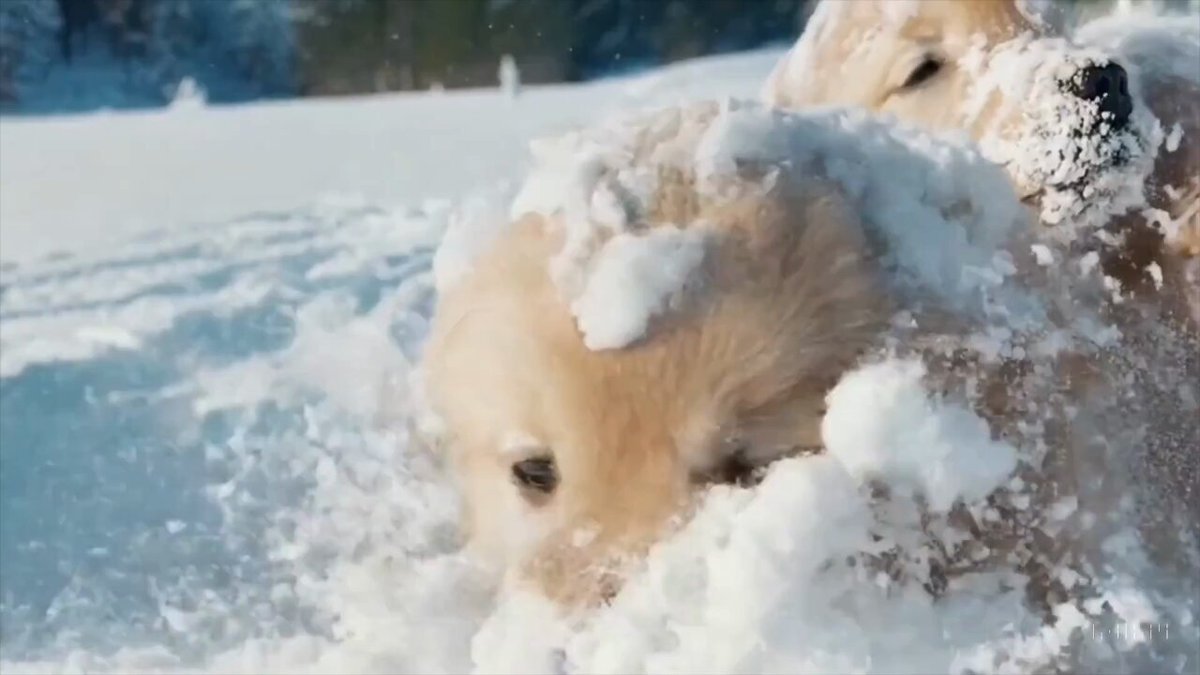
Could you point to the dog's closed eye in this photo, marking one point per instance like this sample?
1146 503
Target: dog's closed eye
925 70
536 473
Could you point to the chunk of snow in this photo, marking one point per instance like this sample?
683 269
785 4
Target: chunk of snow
1156 274
882 426
509 76
634 278
1173 139
189 95
1042 254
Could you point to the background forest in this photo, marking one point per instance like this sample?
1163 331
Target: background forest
77 55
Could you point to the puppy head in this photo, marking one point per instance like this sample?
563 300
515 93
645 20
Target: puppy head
574 461
1061 118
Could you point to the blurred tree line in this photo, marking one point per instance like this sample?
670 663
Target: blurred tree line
405 44
243 49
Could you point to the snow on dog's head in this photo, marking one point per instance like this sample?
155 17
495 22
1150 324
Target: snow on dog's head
938 213
674 312
1065 120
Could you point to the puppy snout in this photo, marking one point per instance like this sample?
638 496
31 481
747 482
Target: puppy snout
578 577
1108 86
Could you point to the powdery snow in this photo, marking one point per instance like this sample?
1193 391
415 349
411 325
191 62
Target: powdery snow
472 227
634 278
939 450
129 173
943 213
1080 178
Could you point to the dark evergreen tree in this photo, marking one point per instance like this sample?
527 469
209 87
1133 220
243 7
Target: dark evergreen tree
235 49
259 42
29 43
615 35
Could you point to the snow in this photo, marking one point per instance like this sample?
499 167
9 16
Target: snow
213 380
509 76
909 185
1045 13
1042 254
767 581
636 277
943 451
188 95
596 188
391 150
472 227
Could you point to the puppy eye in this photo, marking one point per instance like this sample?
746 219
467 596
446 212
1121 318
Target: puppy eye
922 73
536 473
734 468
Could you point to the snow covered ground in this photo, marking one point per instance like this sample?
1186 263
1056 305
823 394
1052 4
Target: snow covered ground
131 172
208 324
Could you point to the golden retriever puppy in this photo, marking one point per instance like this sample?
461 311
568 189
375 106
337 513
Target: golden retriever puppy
579 437
572 457
1103 136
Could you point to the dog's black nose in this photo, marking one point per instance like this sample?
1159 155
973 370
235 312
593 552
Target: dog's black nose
1108 86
